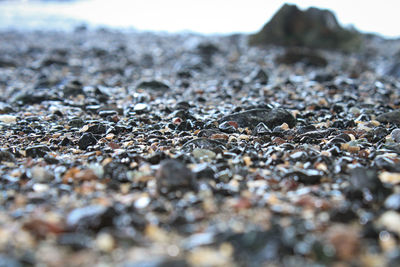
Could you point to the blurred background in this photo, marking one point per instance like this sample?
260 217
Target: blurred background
205 16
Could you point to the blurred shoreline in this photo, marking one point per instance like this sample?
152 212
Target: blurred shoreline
174 16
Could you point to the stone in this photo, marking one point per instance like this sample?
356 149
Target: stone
390 177
345 240
140 107
256 246
105 242
7 260
313 28
365 178
93 217
391 221
153 85
203 143
394 70
228 127
305 56
76 241
37 151
41 174
390 117
393 202
8 119
259 76
396 135
306 176
97 128
87 139
116 171
207 49
34 97
6 156
261 129
173 175
73 88
157 262
251 118
203 154
5 63
369 183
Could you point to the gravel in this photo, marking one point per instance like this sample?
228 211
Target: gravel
153 149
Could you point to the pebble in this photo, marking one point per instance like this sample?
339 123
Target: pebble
261 129
391 221
6 156
107 113
390 177
75 241
199 239
93 217
345 241
251 118
365 178
396 135
306 176
37 151
218 155
173 175
86 140
203 143
153 85
391 117
8 119
105 242
8 261
203 154
355 111
305 56
142 202
260 76
393 202
41 174
140 107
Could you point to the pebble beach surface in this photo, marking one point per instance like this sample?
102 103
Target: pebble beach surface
149 149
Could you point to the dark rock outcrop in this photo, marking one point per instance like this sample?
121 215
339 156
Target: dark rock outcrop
313 28
305 56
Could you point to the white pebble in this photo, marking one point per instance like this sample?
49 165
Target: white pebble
8 118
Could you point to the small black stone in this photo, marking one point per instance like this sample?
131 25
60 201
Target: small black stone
153 85
203 143
76 241
261 129
116 171
106 113
37 151
97 129
65 142
306 176
260 76
391 117
92 217
173 175
87 139
227 128
251 118
6 156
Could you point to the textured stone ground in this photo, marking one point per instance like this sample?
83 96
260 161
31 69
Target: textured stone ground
143 149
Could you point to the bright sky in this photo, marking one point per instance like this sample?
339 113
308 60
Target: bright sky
207 16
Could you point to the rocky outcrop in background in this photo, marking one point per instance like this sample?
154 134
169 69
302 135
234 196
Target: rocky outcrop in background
313 28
